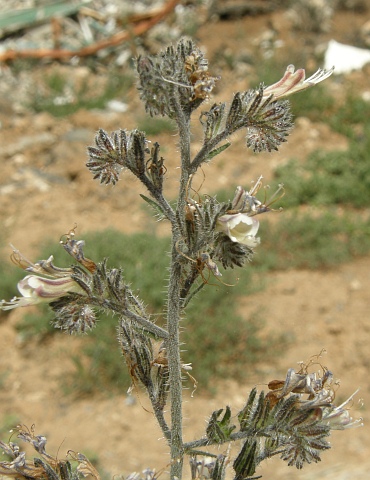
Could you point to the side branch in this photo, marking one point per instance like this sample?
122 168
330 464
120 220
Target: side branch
206 442
146 324
203 153
157 195
158 412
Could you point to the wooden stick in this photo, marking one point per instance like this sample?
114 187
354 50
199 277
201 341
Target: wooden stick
115 39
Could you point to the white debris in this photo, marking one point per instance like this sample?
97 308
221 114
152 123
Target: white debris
345 58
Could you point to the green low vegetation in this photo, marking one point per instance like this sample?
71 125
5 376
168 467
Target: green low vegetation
59 96
329 178
312 240
156 125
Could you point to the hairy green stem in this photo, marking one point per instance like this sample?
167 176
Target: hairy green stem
174 366
146 324
158 412
157 195
174 302
183 123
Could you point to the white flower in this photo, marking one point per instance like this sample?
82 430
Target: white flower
46 285
338 417
293 82
239 228
35 289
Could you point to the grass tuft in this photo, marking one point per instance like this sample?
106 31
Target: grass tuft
329 178
313 241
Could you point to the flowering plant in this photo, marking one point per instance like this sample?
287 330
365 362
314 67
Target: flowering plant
294 418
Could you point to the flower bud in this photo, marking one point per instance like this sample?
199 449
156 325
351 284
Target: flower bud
244 202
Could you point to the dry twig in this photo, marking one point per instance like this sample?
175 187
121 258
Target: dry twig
112 41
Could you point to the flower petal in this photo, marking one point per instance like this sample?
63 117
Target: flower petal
35 289
47 288
293 82
240 228
18 302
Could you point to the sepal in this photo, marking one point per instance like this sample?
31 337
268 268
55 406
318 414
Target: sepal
267 121
156 207
245 463
138 352
108 157
212 121
219 430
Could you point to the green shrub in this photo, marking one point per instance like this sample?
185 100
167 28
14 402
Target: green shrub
9 277
316 104
312 240
327 178
354 112
156 125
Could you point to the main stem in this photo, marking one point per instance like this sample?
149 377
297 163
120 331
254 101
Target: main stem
174 365
174 305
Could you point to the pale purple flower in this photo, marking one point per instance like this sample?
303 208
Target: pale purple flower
295 81
338 417
240 228
48 284
35 289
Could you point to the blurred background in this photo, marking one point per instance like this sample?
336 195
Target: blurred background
66 70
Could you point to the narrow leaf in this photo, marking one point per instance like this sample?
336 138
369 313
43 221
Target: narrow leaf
217 151
153 204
